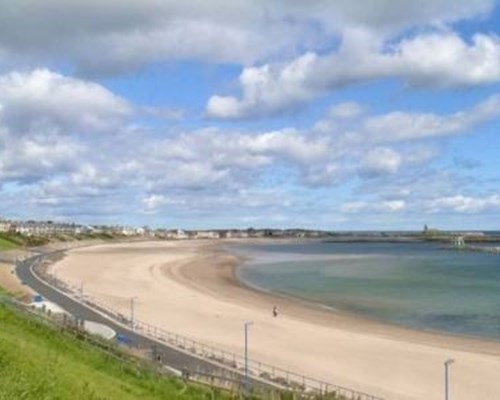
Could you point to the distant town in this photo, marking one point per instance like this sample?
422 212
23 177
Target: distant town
68 230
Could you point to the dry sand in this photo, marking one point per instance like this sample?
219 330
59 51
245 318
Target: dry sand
10 282
190 288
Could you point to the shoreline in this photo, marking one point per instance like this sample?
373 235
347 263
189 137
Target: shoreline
192 288
328 316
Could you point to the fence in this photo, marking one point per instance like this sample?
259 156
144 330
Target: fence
258 371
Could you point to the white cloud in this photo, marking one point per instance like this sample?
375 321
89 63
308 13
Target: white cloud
373 206
438 59
41 116
463 204
41 136
388 15
250 199
381 160
447 60
106 160
132 33
407 126
226 149
401 126
44 100
394 205
34 158
156 202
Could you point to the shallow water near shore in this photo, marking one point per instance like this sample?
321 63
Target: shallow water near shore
417 285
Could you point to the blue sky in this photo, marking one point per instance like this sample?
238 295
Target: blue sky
210 114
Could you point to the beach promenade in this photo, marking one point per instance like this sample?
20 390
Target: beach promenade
190 288
177 359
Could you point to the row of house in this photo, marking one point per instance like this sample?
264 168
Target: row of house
178 234
52 228
42 228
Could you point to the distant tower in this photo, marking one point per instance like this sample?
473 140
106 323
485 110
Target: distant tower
426 228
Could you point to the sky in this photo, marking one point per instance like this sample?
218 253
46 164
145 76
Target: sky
196 114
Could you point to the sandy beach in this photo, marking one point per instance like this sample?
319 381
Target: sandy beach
190 287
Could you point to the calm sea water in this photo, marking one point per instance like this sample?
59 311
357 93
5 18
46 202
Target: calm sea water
417 285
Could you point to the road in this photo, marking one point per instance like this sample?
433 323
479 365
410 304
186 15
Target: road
170 356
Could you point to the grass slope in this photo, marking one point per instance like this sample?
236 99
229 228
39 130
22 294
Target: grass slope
38 362
6 244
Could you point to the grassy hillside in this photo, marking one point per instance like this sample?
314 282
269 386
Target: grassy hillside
9 241
6 244
38 362
12 240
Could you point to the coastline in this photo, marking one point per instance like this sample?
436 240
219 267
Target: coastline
321 314
193 288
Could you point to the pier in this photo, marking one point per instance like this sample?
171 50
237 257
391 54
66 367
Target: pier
458 243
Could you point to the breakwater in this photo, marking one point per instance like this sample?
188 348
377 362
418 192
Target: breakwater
478 249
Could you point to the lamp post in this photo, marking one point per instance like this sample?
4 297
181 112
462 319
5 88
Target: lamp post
447 363
132 306
247 381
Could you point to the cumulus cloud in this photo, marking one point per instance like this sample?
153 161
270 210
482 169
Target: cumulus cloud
155 202
37 142
133 33
374 206
437 59
41 115
107 158
401 126
44 100
229 149
464 204
32 159
381 160
451 204
261 200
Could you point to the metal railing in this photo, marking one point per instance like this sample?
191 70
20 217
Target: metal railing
257 370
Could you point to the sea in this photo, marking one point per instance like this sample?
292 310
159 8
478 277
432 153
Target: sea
418 285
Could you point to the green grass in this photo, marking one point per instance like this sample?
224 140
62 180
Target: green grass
12 240
9 241
6 244
40 363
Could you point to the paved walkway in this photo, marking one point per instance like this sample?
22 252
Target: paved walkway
170 356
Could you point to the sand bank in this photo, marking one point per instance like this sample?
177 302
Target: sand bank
190 288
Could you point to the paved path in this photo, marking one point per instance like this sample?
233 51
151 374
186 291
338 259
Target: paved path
170 356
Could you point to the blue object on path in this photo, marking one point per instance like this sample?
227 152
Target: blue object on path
37 298
122 339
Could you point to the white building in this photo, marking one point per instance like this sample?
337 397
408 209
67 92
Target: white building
207 235
5 226
177 234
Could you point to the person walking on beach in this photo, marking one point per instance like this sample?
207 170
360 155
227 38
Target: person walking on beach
275 311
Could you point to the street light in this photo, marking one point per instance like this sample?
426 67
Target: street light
247 382
447 363
132 305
